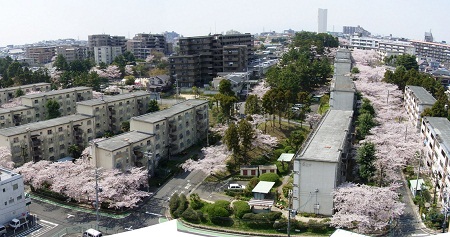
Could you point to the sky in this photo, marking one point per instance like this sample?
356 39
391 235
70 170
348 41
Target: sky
30 21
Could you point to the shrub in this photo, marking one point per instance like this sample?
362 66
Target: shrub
217 213
302 226
270 177
174 203
224 204
355 70
316 227
283 168
240 208
191 216
195 201
182 205
261 220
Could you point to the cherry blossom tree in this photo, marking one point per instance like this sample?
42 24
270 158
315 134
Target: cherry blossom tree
110 72
213 160
260 89
264 141
5 158
366 208
129 69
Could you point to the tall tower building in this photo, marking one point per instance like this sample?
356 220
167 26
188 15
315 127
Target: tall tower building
322 20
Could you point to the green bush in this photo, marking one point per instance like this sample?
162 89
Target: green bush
191 216
283 168
240 208
182 206
270 177
234 193
355 70
317 227
217 214
286 188
261 220
195 202
302 226
174 203
224 204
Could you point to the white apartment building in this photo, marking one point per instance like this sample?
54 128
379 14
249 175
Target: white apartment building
111 111
438 51
48 139
67 99
322 21
12 197
176 128
106 54
16 116
131 149
436 134
9 93
358 42
320 167
416 100
388 48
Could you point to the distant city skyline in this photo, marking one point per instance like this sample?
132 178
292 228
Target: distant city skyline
25 21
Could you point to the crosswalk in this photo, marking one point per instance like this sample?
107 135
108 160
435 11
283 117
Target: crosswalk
40 229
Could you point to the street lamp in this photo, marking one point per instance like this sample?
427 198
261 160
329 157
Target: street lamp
418 173
97 190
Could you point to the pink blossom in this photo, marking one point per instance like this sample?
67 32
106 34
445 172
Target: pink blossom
6 158
260 89
213 160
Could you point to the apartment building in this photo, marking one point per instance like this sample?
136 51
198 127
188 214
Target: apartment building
67 99
351 30
202 57
13 199
49 139
9 93
100 40
111 111
322 21
394 48
176 128
438 51
416 100
142 45
436 134
72 52
342 62
106 54
235 58
342 93
124 151
16 116
321 165
40 55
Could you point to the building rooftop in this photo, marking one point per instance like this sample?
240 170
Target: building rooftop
286 157
24 86
441 126
109 99
342 83
122 140
175 109
56 92
13 109
424 97
12 131
263 187
7 174
329 137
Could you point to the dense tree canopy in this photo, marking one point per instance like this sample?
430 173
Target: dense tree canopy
13 73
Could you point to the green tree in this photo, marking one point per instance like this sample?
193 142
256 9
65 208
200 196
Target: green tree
153 106
246 135
129 80
195 91
365 123
366 161
268 104
296 138
174 202
19 93
61 63
231 140
74 150
125 126
355 70
408 61
252 105
52 109
241 208
225 88
366 107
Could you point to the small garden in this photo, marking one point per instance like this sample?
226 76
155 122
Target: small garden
237 216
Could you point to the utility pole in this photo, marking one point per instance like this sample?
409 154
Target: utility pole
418 173
289 214
96 195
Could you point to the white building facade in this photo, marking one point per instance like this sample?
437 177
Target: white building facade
12 197
416 100
322 21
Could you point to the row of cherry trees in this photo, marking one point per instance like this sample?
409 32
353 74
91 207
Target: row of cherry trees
369 208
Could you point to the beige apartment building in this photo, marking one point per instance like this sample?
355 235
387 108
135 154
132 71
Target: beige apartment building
111 111
417 99
16 116
124 151
9 93
67 99
176 128
47 140
40 55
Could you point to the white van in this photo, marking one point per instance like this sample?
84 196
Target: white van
236 186
92 233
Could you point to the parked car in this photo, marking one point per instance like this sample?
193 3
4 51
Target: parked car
2 231
236 186
92 233
16 223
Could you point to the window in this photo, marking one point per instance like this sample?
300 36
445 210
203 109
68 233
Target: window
89 122
19 197
97 125
157 127
60 129
96 109
11 201
15 186
2 117
49 132
148 143
61 146
36 101
50 149
89 130
16 139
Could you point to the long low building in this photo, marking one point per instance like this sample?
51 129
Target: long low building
48 139
131 149
321 166
176 128
417 99
342 93
16 116
9 93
